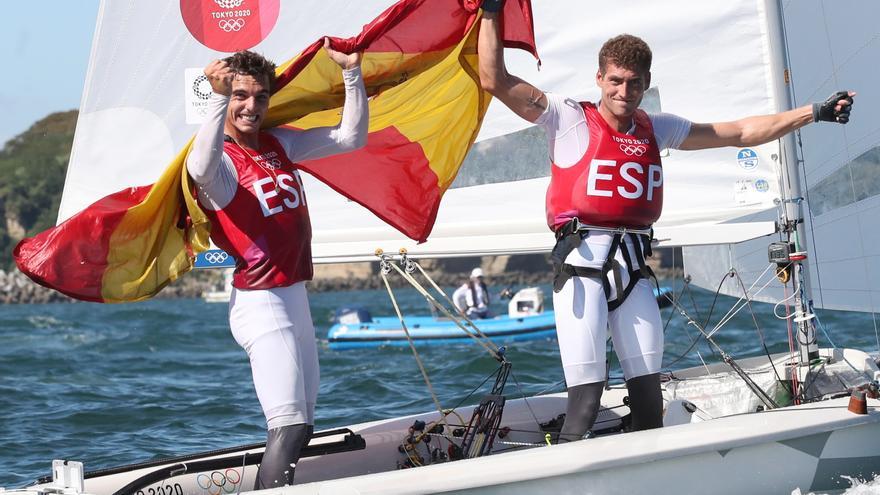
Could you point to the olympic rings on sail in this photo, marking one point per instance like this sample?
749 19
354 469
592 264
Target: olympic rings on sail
215 257
231 25
228 4
631 149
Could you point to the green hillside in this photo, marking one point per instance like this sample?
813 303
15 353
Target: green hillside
32 167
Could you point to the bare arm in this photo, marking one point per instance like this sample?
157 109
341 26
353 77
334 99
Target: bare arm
749 131
752 131
524 99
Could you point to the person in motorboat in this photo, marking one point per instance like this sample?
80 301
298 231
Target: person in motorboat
247 182
606 190
472 297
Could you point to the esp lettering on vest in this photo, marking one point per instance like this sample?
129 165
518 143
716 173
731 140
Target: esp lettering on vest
625 171
289 191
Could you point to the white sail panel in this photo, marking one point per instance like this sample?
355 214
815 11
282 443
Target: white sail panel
141 83
497 203
840 169
710 64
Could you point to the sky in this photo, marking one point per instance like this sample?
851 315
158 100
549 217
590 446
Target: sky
47 42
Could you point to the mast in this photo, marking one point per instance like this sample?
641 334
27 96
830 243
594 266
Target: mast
792 210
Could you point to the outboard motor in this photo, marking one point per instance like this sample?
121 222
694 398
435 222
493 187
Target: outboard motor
528 301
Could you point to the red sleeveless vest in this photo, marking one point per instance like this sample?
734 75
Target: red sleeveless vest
617 183
266 225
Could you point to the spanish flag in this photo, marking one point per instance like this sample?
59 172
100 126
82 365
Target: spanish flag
426 107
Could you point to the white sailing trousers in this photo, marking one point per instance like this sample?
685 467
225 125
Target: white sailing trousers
582 323
275 327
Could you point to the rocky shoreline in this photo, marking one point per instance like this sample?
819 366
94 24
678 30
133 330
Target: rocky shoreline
16 288
501 271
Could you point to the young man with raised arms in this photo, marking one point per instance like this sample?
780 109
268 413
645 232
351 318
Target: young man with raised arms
249 186
606 174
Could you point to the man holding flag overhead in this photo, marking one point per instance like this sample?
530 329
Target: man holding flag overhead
605 192
426 107
249 187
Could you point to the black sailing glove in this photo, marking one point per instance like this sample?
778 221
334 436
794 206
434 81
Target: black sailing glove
492 5
826 110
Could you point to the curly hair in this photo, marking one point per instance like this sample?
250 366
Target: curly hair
253 64
626 51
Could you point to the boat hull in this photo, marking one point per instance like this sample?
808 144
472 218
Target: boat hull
387 331
814 446
811 447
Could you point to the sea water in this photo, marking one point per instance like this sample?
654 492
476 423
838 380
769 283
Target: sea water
116 384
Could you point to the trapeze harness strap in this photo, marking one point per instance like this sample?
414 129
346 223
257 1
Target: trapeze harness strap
622 180
569 237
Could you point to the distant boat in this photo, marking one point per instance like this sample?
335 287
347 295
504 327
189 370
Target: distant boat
526 320
222 295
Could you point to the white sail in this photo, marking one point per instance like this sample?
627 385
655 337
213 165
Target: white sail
840 164
141 103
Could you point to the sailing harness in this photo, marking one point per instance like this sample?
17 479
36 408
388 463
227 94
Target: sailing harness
473 287
569 237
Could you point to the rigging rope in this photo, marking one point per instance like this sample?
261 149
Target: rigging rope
758 328
386 266
412 345
477 335
696 338
741 301
758 391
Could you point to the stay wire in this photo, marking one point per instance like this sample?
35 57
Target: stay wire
386 262
479 337
758 329
411 343
758 391
449 301
696 338
739 305
468 396
523 397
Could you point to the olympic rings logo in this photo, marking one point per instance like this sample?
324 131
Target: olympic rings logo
228 4
273 163
215 257
230 26
218 482
631 149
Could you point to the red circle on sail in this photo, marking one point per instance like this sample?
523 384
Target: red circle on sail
229 25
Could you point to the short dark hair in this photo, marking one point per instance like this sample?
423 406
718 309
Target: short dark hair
626 51
252 64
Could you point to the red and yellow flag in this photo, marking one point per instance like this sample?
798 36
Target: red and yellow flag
426 107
